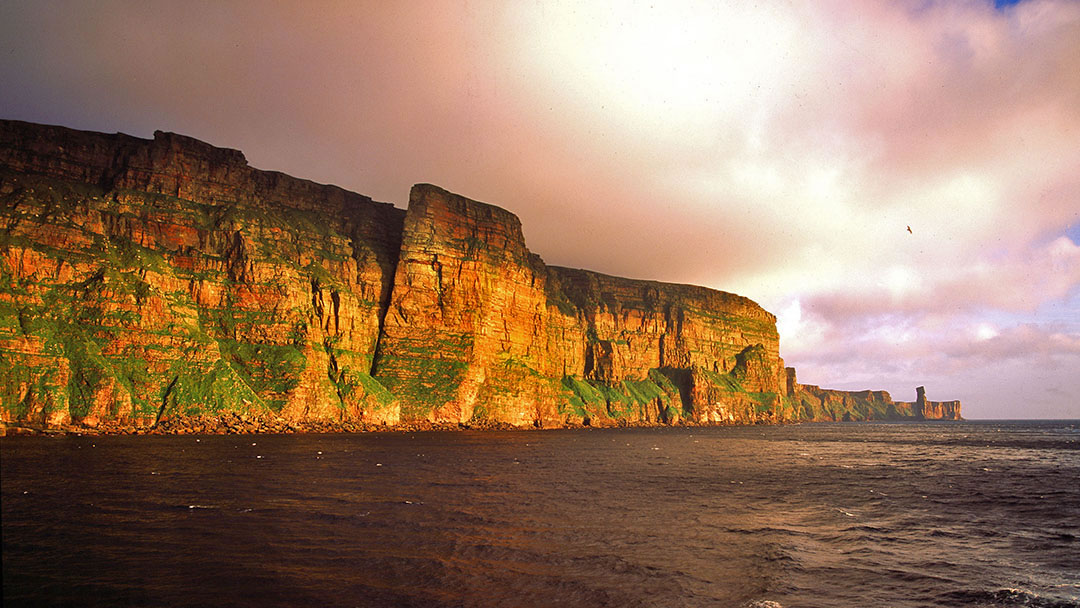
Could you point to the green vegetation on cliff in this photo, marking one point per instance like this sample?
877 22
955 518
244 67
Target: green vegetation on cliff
147 280
654 399
138 306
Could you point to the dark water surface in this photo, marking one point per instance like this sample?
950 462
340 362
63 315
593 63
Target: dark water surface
826 515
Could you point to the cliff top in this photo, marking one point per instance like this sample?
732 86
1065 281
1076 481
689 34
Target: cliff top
631 289
184 166
170 164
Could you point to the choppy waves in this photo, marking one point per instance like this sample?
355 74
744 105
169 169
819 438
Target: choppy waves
840 515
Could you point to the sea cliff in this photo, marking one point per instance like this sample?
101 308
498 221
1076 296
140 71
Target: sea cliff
147 284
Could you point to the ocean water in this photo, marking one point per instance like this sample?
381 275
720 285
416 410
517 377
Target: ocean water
816 515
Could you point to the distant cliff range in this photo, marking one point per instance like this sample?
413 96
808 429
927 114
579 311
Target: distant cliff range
165 284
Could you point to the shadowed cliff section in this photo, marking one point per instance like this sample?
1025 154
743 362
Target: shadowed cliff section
144 282
645 351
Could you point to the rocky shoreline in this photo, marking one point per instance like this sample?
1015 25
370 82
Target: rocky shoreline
238 424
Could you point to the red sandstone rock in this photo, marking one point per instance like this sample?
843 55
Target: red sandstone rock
165 283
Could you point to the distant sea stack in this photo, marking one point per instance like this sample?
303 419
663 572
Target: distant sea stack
165 284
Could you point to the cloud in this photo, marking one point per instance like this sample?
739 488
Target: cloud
953 354
795 145
1020 282
1016 342
997 371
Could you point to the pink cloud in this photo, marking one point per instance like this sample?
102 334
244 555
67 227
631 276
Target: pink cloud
1020 341
1019 283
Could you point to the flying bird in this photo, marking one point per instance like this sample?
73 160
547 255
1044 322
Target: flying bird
909 230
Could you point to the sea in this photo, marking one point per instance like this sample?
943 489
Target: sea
983 513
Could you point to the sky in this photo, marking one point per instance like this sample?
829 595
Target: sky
898 181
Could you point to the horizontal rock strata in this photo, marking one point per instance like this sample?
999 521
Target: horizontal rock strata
146 284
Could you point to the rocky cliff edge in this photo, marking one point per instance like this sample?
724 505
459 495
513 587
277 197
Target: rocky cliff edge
148 282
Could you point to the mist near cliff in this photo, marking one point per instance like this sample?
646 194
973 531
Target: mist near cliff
778 151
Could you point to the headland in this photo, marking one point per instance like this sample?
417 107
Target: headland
164 285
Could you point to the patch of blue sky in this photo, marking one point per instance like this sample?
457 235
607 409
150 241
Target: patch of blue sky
1073 232
1061 315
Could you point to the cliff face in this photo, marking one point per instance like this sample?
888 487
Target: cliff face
465 333
934 410
659 352
815 403
148 280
